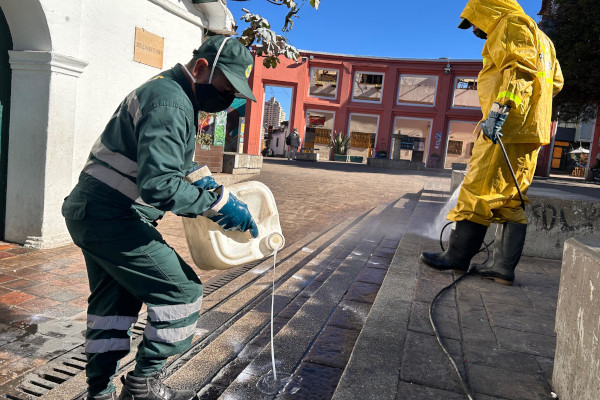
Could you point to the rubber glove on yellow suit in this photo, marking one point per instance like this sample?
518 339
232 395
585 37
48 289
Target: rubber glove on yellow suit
520 70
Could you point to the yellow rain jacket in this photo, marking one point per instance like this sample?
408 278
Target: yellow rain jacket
520 69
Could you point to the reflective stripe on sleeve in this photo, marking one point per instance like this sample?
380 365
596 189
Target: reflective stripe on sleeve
114 180
542 74
115 160
133 107
173 312
169 335
510 96
106 345
118 322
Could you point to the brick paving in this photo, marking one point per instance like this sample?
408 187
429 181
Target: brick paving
503 334
48 288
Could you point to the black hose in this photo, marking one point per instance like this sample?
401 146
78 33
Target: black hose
512 172
463 383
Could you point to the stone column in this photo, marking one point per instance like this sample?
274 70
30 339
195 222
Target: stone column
40 150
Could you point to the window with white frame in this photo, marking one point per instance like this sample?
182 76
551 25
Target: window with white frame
410 140
460 142
417 90
363 131
367 86
319 126
323 83
465 93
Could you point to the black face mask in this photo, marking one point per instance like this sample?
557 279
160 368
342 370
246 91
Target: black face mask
480 34
210 99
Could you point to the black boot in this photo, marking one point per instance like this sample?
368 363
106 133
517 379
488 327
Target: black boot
151 388
465 241
107 396
508 246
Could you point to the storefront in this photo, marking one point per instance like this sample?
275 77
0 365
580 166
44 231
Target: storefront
363 130
411 139
461 139
318 133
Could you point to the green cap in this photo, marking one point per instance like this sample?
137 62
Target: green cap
234 60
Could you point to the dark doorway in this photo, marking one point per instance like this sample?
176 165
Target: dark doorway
5 46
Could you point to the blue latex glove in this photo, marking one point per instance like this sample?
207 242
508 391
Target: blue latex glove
492 126
206 183
231 214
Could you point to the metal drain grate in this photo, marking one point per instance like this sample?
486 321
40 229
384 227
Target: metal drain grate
34 385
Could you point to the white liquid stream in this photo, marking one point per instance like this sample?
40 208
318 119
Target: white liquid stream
272 307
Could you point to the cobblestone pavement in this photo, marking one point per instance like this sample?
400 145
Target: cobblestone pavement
43 293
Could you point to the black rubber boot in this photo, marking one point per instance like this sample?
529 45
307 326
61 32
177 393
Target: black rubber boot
508 246
108 396
151 388
465 240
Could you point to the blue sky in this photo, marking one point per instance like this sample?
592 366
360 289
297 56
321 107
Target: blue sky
389 28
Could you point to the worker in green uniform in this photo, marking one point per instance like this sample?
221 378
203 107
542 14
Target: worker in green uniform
140 167
520 75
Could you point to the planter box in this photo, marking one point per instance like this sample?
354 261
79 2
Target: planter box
576 373
340 157
240 163
307 156
356 159
212 157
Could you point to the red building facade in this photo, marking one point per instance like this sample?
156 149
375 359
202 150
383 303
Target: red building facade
378 102
423 111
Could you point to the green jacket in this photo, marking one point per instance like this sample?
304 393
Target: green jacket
147 149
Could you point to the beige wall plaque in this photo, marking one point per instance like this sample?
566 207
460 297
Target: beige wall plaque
148 48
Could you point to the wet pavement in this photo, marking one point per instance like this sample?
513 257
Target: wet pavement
43 292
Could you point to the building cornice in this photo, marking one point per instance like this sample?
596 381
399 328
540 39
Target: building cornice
180 12
46 61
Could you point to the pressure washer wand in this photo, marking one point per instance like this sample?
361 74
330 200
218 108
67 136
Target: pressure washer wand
511 172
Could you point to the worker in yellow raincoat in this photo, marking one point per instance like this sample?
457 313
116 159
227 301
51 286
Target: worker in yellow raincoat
520 75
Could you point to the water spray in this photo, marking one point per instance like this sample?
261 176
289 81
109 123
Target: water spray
463 382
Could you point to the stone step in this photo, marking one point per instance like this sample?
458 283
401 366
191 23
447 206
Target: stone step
236 344
378 350
222 307
316 329
500 337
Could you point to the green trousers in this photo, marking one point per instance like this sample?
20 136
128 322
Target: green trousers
129 264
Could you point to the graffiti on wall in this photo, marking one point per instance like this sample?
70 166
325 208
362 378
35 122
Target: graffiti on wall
548 217
437 140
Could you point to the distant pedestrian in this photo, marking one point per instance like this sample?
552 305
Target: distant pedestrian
294 144
520 75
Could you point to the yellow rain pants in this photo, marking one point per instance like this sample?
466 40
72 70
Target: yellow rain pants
488 193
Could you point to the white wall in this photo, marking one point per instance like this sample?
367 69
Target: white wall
107 39
72 65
